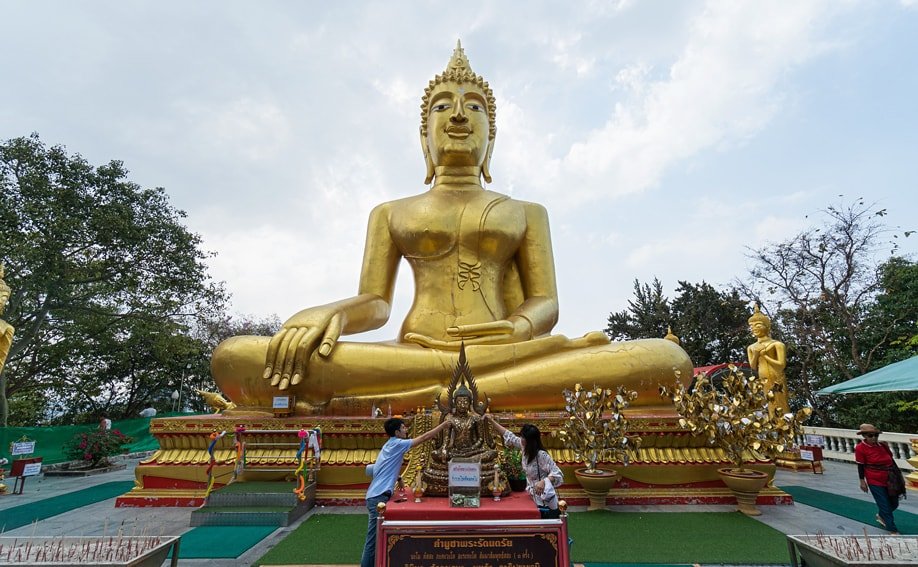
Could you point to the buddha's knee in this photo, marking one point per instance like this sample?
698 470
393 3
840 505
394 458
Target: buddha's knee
239 358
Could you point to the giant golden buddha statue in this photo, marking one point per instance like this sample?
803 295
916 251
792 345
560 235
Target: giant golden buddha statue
483 273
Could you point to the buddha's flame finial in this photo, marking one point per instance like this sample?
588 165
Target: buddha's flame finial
458 63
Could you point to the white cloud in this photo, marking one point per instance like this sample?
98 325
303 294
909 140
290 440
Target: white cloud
256 130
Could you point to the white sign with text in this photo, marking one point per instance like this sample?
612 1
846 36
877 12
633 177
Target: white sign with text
22 448
464 474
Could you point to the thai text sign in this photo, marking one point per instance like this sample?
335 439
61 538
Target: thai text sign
32 469
281 402
817 440
22 448
464 474
473 544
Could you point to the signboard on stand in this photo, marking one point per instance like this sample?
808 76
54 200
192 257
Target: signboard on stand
283 405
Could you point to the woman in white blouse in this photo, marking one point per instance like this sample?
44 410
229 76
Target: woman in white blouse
542 474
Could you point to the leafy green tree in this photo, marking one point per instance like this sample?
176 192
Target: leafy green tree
647 315
108 284
711 324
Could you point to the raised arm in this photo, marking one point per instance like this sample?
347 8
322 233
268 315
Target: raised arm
428 435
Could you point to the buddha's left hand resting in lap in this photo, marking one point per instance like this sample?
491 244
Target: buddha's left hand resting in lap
484 275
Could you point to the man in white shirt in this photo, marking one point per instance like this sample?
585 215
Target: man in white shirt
385 471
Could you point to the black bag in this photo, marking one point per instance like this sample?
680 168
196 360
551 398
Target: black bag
895 483
549 513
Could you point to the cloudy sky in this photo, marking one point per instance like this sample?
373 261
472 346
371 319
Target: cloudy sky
665 138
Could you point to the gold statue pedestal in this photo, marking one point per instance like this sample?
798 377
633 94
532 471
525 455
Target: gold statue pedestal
671 467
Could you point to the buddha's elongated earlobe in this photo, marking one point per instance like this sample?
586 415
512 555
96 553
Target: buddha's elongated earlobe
486 164
427 161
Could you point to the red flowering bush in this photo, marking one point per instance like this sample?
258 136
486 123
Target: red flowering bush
96 446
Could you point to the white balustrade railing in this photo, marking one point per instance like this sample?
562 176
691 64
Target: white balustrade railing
839 444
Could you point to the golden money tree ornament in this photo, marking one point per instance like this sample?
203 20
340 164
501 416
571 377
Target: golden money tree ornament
736 420
596 429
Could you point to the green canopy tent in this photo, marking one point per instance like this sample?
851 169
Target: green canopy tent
899 376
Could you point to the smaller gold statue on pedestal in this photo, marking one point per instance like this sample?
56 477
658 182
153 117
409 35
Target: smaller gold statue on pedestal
768 358
467 436
6 330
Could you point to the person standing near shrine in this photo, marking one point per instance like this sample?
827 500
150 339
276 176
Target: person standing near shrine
542 473
385 472
874 460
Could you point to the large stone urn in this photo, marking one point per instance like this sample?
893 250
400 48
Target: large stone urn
596 484
745 485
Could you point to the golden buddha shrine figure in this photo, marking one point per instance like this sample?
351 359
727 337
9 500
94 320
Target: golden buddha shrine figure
768 358
483 274
6 330
466 436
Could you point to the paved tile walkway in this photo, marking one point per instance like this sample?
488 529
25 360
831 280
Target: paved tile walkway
103 517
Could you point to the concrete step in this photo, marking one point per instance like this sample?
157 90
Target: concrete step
257 504
246 516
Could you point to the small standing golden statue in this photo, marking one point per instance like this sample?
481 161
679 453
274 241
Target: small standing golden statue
768 358
6 330
467 436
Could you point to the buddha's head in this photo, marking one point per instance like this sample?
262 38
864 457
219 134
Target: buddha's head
759 323
462 400
457 118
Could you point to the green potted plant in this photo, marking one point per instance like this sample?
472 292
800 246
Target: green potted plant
512 465
736 420
596 429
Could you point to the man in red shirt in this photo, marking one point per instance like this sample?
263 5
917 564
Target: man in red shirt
874 460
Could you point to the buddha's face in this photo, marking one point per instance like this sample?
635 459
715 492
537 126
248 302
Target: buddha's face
457 125
759 329
462 405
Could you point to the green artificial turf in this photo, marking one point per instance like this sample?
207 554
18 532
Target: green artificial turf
213 542
859 510
685 537
323 539
18 516
600 537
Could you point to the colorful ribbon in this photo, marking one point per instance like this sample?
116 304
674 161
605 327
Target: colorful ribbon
214 437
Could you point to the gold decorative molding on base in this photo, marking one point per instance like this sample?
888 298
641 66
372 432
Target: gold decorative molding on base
670 466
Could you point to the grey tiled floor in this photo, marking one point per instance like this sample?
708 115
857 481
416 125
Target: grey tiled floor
103 517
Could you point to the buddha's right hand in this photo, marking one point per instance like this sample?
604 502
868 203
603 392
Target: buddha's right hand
291 348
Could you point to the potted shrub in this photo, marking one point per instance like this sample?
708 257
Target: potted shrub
95 447
512 465
596 430
736 419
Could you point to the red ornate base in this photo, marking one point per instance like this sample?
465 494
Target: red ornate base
671 467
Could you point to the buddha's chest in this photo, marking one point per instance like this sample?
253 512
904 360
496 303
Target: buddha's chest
487 225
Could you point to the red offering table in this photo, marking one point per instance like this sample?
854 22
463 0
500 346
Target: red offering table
516 506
